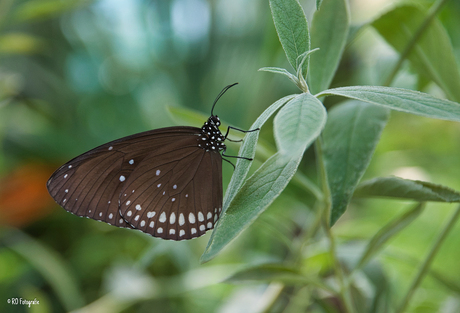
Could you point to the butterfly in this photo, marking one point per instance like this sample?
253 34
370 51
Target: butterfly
165 182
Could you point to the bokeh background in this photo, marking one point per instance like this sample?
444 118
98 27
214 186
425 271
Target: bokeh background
75 74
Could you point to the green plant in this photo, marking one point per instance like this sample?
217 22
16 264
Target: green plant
344 140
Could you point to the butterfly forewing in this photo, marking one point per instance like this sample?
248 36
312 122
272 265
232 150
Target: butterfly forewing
148 181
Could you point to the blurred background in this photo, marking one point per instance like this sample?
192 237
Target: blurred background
75 74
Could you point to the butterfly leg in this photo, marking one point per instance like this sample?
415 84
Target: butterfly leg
241 130
233 156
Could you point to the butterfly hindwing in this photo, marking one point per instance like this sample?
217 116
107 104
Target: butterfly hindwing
159 182
174 196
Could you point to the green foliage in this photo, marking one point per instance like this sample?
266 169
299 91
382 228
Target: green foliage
329 32
296 221
352 132
396 187
292 28
425 55
296 126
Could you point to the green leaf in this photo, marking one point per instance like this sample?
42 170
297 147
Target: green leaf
248 148
404 100
270 179
299 121
292 28
329 31
349 139
395 187
432 56
278 273
318 4
387 232
282 71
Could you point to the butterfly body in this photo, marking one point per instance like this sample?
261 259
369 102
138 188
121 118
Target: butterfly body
165 182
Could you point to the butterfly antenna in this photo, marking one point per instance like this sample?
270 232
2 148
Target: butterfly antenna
220 95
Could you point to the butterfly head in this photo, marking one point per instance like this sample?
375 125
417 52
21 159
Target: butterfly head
214 119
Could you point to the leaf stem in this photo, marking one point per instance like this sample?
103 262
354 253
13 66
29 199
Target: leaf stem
425 267
434 9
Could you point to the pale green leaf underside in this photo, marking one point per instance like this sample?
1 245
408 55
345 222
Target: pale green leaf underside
270 179
248 148
395 187
401 100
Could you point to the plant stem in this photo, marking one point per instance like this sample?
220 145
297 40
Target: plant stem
434 9
344 287
424 269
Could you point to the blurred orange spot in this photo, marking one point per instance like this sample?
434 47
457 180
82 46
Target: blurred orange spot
23 195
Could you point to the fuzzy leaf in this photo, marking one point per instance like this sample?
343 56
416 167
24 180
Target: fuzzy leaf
292 28
395 187
270 179
351 134
329 31
399 99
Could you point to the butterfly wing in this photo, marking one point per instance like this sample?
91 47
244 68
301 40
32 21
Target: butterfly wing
159 182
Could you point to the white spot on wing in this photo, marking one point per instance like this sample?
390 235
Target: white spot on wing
138 207
191 218
158 172
172 231
110 216
173 199
142 223
159 185
182 232
160 230
162 217
122 178
209 225
136 218
110 148
150 214
172 218
151 224
129 213
200 216
209 215
202 227
181 219
131 161
65 176
175 187
128 202
193 231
